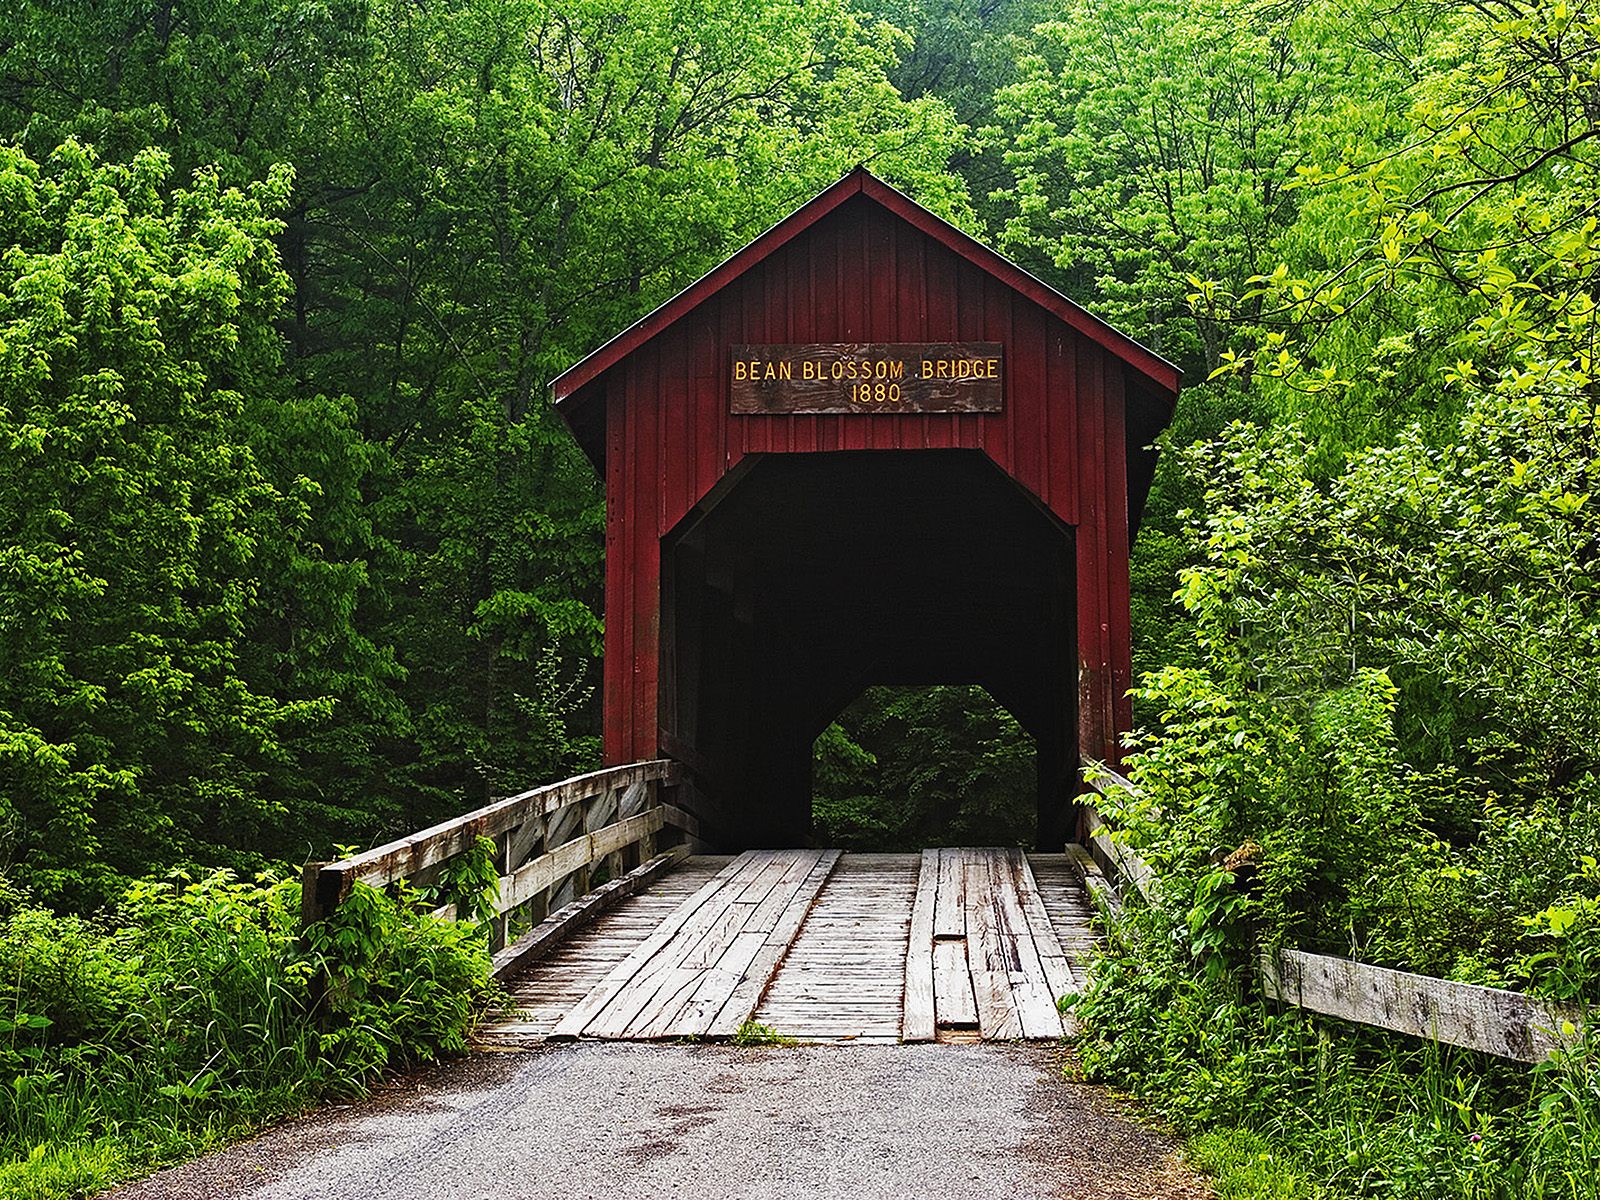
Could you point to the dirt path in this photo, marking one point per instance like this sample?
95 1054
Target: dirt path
616 1120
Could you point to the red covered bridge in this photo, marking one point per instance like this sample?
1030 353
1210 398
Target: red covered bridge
863 450
866 449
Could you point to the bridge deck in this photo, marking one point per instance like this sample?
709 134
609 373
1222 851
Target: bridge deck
952 945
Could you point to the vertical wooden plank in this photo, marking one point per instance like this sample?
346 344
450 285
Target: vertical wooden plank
917 1021
710 434
910 320
950 912
733 330
883 288
648 478
675 421
1119 584
994 429
939 301
970 327
1061 398
992 961
954 1003
619 584
1028 424
832 322
856 303
1094 701
803 324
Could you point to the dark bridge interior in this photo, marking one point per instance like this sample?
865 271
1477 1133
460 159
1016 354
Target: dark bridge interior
803 578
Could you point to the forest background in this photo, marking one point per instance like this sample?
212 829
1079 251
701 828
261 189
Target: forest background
293 552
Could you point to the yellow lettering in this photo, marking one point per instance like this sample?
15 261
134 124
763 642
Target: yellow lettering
838 369
738 369
897 369
994 368
786 370
927 368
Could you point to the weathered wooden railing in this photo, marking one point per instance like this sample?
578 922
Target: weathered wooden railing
551 843
1495 1021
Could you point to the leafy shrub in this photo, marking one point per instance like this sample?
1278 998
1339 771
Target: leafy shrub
195 1007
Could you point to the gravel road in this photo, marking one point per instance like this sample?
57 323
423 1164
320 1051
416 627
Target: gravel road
613 1120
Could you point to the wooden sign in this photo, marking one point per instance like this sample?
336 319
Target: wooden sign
868 377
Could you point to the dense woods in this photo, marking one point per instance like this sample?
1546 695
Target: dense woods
293 552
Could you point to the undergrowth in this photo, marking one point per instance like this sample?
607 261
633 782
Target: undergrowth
196 1010
1278 1104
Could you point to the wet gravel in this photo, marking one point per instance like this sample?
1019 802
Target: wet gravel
614 1120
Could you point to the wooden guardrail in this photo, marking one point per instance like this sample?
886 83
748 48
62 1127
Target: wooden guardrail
550 842
1495 1021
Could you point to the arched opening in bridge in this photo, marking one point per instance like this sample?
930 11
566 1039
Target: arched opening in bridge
904 768
803 579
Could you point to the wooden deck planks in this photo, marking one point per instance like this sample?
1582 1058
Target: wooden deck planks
1058 972
822 948
665 978
958 1008
989 956
1069 907
917 1021
593 1004
545 992
997 964
702 973
844 977
758 972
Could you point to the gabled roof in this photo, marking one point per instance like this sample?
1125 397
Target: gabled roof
1162 376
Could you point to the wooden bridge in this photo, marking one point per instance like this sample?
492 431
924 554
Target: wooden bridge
599 933
864 450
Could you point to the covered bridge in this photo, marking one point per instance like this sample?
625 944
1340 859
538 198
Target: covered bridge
866 449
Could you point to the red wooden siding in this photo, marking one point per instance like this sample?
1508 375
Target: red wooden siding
863 264
862 273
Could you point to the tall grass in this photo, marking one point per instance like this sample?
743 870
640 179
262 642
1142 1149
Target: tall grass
189 1015
1341 1111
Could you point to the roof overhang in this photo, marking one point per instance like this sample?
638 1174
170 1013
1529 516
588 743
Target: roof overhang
1159 378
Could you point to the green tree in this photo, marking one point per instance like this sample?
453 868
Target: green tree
162 534
482 192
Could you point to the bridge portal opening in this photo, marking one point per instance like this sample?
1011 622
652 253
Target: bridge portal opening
802 579
908 768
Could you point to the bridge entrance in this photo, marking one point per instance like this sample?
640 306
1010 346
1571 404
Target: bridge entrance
807 578
866 449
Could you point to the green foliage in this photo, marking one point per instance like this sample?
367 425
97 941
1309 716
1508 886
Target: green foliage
471 882
904 768
289 483
191 1011
753 1033
1152 144
1335 1111
1244 1166
1382 741
161 524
